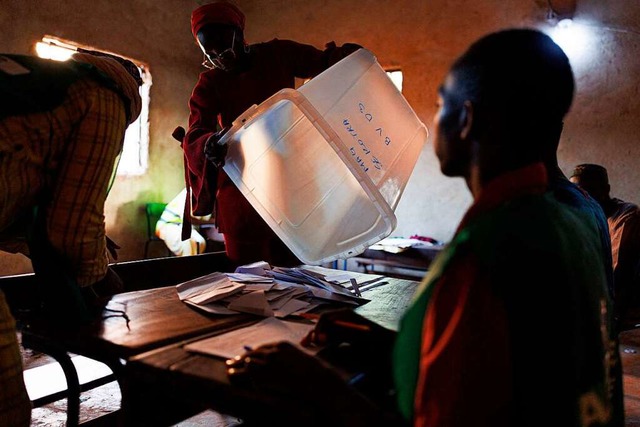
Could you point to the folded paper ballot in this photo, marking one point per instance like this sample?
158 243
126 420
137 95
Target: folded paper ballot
253 302
269 330
212 287
272 292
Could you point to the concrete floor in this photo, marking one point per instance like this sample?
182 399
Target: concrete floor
100 401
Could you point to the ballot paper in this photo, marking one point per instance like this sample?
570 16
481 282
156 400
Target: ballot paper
256 268
209 288
267 331
253 302
272 292
397 245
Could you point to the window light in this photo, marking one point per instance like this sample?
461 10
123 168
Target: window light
135 152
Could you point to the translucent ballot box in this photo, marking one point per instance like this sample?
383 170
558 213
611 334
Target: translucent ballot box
326 165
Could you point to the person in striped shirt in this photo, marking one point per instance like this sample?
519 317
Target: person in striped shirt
62 126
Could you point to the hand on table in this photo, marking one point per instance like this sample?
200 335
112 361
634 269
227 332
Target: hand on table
346 326
306 381
98 294
285 369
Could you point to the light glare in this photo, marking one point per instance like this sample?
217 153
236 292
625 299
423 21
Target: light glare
575 40
49 51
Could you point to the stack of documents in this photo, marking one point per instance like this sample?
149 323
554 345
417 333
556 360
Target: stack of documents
260 289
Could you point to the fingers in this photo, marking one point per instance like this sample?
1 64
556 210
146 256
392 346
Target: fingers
242 364
253 368
254 358
338 326
215 152
314 338
239 369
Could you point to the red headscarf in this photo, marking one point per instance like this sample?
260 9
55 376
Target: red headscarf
221 12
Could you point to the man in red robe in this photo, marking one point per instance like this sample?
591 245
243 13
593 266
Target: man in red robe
238 76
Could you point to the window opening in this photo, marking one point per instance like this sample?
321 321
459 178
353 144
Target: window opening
135 152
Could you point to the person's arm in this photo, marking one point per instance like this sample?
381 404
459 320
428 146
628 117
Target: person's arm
364 337
308 61
337 53
627 271
281 369
464 354
201 174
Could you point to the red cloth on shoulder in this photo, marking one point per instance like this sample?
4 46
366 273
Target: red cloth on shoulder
217 100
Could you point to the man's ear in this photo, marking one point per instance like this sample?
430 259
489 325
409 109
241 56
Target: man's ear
466 119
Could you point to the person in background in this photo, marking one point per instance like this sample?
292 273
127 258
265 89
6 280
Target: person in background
512 326
62 127
624 227
570 194
169 229
238 75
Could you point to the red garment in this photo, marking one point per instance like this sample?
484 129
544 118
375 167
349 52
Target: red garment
518 329
451 340
217 99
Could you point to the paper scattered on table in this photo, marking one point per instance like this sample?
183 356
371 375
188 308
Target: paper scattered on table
249 278
267 331
209 288
253 302
256 268
398 244
265 291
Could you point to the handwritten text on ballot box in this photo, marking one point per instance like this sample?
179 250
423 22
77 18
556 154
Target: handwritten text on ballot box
326 165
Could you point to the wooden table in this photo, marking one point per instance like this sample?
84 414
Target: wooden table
180 382
157 317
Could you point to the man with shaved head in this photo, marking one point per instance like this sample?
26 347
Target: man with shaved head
513 325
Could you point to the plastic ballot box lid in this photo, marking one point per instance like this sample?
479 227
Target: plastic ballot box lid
326 165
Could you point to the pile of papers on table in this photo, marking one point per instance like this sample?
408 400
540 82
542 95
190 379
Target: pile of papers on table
396 245
274 291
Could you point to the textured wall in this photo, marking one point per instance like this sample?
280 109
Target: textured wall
421 37
424 37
